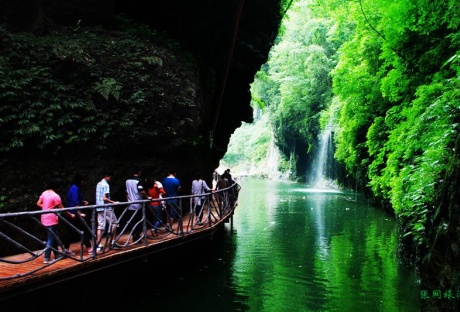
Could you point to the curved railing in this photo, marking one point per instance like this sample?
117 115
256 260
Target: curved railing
23 236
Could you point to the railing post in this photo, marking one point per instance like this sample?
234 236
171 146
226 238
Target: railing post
144 223
180 228
94 232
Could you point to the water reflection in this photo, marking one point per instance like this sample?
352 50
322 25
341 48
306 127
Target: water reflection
291 248
302 249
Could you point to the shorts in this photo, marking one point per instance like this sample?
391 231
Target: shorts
106 216
172 208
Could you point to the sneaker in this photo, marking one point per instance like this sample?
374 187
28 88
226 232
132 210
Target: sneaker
47 261
69 252
199 223
100 248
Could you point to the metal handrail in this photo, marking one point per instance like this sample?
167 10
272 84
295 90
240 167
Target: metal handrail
23 233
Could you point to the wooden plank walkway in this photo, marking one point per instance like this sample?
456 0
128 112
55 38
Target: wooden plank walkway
18 277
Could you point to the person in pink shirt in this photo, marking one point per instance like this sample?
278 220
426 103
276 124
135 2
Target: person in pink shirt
49 200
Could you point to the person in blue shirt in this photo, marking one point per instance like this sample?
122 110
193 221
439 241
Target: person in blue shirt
172 186
75 198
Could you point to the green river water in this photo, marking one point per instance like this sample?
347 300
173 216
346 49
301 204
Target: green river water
289 248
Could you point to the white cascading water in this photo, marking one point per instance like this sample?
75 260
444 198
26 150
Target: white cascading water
318 173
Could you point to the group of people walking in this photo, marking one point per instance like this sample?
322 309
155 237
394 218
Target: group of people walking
137 189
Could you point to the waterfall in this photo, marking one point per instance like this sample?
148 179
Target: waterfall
320 175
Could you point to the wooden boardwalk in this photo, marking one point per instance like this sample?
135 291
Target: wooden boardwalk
26 272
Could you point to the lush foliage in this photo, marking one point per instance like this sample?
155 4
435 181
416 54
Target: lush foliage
387 74
80 85
399 101
300 68
247 151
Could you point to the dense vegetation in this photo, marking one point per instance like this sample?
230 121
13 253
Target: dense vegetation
384 75
95 85
50 82
88 98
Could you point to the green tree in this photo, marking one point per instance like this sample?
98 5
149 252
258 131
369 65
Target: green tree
300 65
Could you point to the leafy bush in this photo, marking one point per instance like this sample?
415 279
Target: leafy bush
84 85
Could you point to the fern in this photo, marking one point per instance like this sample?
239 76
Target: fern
108 87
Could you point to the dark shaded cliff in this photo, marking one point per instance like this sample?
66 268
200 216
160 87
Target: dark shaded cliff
181 91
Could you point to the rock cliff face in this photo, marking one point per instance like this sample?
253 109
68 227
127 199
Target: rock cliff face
199 96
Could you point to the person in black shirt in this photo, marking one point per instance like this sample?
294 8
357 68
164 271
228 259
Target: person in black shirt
228 176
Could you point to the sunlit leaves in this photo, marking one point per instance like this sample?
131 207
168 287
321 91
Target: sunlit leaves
300 64
249 146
